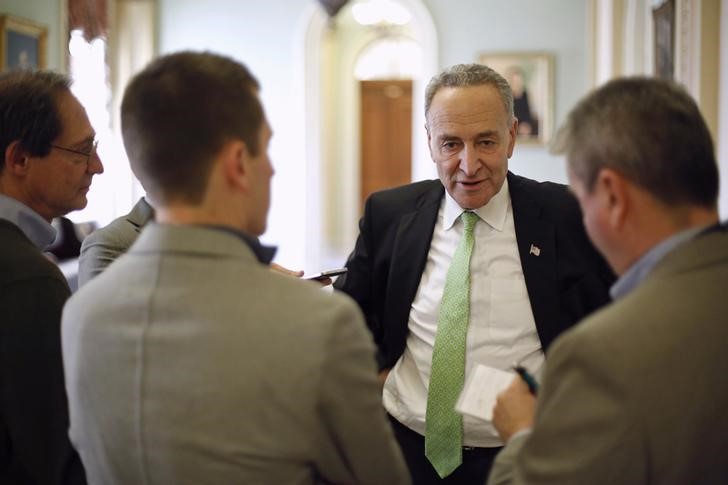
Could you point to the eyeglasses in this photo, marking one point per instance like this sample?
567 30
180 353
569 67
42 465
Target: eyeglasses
87 154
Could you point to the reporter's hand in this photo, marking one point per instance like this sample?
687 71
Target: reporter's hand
298 274
514 409
286 271
325 281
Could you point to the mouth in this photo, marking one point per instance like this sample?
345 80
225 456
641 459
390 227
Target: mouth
470 184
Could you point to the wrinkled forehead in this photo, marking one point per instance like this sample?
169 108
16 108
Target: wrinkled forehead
469 108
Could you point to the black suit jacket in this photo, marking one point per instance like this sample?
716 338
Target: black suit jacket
34 443
566 281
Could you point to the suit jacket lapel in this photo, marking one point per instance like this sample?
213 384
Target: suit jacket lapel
537 248
409 255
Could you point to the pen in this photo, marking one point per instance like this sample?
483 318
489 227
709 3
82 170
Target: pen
528 379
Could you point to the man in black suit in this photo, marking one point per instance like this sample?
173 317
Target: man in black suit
48 158
532 272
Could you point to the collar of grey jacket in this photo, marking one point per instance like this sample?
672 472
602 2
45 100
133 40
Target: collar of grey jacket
263 253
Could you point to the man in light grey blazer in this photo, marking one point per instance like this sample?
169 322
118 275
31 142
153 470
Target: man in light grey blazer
100 248
636 393
188 361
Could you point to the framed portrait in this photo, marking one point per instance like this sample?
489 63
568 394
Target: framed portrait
22 43
530 75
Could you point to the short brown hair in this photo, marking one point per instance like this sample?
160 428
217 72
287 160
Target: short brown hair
29 110
177 114
649 130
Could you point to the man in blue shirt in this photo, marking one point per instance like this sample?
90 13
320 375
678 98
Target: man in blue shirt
48 161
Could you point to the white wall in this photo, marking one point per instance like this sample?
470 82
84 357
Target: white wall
263 36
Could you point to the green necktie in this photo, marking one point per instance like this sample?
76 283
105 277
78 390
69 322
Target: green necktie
443 425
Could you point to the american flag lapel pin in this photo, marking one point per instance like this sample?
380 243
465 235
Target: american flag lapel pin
535 250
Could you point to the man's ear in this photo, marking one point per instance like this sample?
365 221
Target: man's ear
235 159
512 132
614 194
16 158
429 140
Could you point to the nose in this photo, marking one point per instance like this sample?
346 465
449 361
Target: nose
94 164
469 162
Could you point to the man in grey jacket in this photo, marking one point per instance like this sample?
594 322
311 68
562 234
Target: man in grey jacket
636 393
188 361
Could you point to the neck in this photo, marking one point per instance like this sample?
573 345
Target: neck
674 221
185 214
653 228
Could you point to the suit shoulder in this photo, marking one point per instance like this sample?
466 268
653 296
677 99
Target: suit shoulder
311 302
119 232
405 198
407 192
21 260
542 190
303 293
554 198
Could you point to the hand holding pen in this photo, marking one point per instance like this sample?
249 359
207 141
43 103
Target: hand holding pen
528 378
515 407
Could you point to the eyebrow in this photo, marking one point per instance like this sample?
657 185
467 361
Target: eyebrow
483 134
86 141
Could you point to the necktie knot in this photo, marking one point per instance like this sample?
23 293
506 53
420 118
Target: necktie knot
469 219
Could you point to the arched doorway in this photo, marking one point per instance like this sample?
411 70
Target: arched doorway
332 108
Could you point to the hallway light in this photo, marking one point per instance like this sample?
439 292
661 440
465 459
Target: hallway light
380 12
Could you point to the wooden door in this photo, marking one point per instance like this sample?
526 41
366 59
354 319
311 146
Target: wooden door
386 135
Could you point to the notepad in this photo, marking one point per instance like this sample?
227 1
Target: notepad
480 390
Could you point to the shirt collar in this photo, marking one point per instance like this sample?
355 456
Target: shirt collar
639 270
35 228
494 212
263 253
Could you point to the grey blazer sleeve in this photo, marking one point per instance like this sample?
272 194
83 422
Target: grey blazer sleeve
586 429
97 253
502 471
104 245
355 424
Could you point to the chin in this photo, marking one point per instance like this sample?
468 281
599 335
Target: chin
80 204
258 230
472 203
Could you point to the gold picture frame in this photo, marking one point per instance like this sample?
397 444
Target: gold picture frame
531 77
23 44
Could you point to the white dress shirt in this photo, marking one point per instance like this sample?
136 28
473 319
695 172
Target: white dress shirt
501 331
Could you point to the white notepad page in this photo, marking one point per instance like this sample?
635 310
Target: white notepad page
480 390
